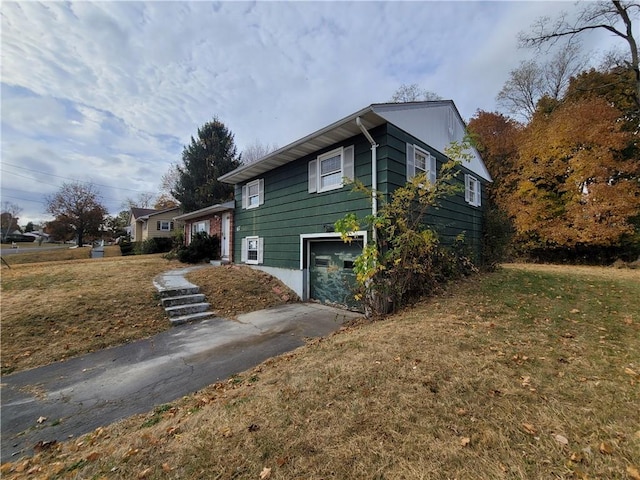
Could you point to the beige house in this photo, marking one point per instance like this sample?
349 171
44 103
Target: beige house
145 223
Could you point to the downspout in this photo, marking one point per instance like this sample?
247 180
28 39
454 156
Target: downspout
374 174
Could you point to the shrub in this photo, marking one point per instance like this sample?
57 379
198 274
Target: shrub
407 260
156 245
201 249
126 247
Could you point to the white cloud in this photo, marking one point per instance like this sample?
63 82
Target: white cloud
112 90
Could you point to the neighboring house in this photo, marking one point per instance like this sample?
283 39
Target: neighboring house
148 223
214 220
288 201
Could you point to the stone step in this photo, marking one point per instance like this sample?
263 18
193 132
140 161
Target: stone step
192 317
178 292
182 300
180 310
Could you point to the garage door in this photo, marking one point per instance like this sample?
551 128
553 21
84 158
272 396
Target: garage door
331 277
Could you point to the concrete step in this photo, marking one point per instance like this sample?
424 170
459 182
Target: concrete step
193 317
183 300
180 310
178 292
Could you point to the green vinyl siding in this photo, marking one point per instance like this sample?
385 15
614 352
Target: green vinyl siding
453 215
289 210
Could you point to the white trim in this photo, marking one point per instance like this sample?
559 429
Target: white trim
430 168
326 236
326 156
259 251
260 195
472 197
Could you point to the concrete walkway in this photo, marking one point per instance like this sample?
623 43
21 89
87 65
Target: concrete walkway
83 393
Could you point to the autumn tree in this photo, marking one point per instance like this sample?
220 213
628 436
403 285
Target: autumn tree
496 138
574 188
209 156
77 207
615 85
413 93
613 16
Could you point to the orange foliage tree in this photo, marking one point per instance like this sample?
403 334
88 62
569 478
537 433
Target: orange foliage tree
574 186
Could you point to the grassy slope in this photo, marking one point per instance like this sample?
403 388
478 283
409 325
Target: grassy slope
531 372
58 309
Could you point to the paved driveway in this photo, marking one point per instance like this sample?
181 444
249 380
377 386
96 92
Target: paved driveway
83 393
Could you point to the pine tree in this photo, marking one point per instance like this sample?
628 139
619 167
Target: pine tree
212 154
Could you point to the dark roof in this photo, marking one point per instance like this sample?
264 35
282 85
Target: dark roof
141 212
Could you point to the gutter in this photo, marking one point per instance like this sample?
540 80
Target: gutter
374 173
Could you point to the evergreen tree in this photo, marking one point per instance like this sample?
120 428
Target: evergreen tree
209 156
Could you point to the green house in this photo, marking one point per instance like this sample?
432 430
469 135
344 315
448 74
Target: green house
287 202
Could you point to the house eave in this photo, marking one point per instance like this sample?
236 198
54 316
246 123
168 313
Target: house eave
203 212
323 138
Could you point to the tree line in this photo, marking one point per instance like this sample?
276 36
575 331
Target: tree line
566 169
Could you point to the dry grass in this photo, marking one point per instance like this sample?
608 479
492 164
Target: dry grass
234 289
33 255
525 373
55 310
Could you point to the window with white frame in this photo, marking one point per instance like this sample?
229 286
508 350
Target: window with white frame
252 250
164 225
420 161
198 227
253 194
328 171
472 193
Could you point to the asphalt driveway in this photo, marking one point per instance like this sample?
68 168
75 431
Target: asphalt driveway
79 395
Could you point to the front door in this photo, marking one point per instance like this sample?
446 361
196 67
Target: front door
226 240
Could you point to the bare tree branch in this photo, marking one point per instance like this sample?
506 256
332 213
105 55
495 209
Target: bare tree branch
594 16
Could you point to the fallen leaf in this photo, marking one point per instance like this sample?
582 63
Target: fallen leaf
461 411
605 448
145 473
526 381
561 439
633 472
281 461
93 456
41 419
628 371
465 441
575 310
226 432
529 428
166 468
254 428
265 473
577 457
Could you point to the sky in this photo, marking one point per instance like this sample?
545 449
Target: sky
111 92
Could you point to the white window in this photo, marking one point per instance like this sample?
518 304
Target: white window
252 250
328 171
253 194
164 225
198 227
472 193
420 161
